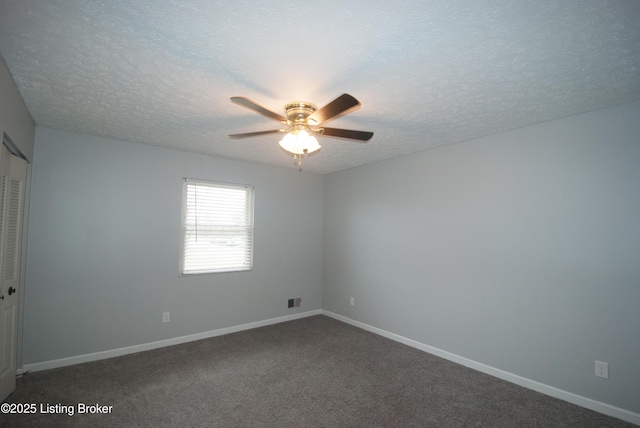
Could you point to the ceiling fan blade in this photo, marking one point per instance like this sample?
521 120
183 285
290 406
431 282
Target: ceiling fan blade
346 133
342 105
255 134
246 102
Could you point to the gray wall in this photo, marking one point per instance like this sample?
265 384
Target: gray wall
15 119
520 250
104 240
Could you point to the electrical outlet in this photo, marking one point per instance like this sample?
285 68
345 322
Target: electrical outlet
297 302
290 303
352 301
166 316
602 369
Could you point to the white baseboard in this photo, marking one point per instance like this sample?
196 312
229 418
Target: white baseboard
570 397
579 400
78 359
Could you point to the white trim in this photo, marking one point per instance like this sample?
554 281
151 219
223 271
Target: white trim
85 358
579 400
570 397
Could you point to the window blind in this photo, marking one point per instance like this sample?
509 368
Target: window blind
217 227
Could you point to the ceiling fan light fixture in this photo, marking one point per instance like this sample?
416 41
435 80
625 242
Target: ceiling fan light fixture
299 142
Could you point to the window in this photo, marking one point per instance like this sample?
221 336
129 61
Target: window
217 227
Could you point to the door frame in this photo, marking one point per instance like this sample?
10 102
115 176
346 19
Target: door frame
15 151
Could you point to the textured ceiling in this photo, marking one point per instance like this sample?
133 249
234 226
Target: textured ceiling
427 73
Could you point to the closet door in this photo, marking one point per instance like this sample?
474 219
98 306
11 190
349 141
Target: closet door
14 171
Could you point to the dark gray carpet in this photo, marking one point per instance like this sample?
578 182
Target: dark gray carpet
312 372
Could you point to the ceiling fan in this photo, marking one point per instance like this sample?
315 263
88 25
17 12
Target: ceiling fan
304 120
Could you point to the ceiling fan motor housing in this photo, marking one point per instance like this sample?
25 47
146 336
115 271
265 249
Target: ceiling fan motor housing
298 111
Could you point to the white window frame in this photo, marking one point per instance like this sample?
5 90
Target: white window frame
217 229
